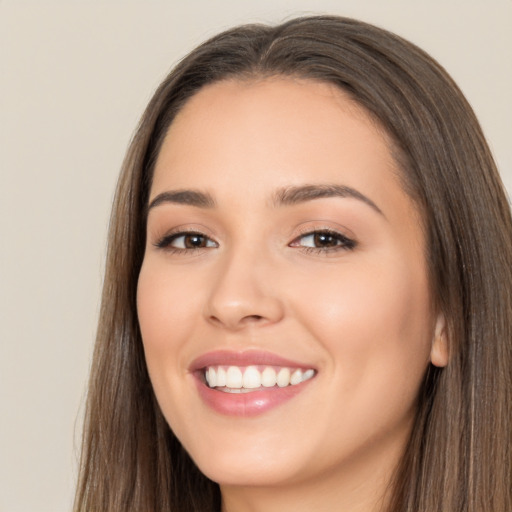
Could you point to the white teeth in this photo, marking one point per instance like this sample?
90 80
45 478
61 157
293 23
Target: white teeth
212 377
268 378
296 377
252 378
283 377
234 379
308 374
221 377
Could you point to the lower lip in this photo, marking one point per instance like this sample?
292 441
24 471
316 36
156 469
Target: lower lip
248 404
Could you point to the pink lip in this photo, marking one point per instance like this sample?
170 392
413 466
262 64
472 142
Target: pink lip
245 358
244 404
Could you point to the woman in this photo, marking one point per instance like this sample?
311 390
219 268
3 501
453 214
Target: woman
307 297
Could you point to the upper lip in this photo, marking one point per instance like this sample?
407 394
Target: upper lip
243 358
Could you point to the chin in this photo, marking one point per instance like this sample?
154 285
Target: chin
245 472
246 461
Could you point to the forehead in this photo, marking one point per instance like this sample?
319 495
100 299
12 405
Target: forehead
282 103
274 132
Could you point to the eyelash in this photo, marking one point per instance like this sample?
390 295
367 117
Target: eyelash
167 240
342 242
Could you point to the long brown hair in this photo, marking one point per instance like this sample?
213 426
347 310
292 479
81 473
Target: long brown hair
459 454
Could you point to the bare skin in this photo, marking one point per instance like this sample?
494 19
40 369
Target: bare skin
260 257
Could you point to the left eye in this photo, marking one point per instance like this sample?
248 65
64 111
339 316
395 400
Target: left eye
186 241
192 241
323 240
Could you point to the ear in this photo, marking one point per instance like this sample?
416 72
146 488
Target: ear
439 350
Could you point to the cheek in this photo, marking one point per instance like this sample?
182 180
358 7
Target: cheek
165 306
374 320
167 310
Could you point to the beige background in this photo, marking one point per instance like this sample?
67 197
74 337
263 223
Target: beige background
75 77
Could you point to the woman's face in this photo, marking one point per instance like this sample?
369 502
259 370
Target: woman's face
281 245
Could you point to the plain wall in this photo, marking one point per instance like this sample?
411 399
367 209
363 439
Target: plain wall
75 77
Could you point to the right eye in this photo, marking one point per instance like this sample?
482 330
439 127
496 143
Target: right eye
186 241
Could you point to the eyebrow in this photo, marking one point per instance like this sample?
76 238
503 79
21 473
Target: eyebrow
187 197
287 196
294 195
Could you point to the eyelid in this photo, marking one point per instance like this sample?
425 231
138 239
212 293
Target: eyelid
348 241
163 242
173 238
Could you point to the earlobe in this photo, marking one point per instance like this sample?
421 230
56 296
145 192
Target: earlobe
439 350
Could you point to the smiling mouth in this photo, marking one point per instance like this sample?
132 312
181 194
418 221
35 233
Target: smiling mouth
247 379
248 383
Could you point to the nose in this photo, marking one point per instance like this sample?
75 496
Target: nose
244 292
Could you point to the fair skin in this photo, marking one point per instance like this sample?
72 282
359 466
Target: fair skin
332 277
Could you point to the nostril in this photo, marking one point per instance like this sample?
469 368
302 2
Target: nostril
244 320
234 312
253 318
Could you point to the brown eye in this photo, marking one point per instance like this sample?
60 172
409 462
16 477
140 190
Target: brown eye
192 241
186 241
323 241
